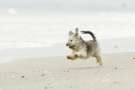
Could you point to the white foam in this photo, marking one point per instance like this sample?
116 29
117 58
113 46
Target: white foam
44 31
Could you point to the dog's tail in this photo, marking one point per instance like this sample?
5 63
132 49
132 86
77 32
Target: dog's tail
91 33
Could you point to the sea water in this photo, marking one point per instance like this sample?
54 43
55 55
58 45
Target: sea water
46 35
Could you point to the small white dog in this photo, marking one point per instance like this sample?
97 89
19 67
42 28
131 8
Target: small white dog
83 49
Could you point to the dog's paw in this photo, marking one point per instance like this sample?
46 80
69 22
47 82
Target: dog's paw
71 57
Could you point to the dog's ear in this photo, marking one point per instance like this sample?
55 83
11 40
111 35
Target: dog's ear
76 30
70 33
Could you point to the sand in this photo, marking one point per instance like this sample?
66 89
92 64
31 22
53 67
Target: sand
58 73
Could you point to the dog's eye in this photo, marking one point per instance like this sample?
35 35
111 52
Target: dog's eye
71 40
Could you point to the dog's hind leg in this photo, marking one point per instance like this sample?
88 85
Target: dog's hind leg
99 59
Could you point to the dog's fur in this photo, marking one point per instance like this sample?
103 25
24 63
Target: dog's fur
83 49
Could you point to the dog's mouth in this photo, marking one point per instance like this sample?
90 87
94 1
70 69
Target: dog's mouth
72 47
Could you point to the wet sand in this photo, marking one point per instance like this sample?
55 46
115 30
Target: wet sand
58 73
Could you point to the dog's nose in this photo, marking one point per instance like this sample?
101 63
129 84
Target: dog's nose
67 44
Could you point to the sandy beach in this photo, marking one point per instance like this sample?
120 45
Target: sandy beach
58 73
33 38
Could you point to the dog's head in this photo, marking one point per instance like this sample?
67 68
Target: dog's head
74 39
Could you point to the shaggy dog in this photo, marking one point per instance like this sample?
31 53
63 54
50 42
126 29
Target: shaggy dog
83 49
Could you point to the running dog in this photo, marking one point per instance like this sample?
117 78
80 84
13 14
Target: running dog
83 49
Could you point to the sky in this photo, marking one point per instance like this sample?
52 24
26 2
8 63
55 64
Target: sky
69 6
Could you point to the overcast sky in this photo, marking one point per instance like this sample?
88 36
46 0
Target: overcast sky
70 5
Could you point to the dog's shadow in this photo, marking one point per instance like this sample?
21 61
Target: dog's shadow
85 68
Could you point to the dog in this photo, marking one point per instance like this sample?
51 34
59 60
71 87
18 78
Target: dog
83 49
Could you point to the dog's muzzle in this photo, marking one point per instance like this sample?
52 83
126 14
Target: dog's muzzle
72 47
67 44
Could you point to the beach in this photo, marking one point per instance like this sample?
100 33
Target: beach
58 73
33 52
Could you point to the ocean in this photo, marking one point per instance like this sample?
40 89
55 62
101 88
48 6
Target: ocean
20 35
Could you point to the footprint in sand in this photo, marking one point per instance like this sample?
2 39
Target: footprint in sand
43 74
116 68
133 59
66 71
23 76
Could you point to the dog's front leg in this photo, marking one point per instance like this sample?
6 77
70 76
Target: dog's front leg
73 56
